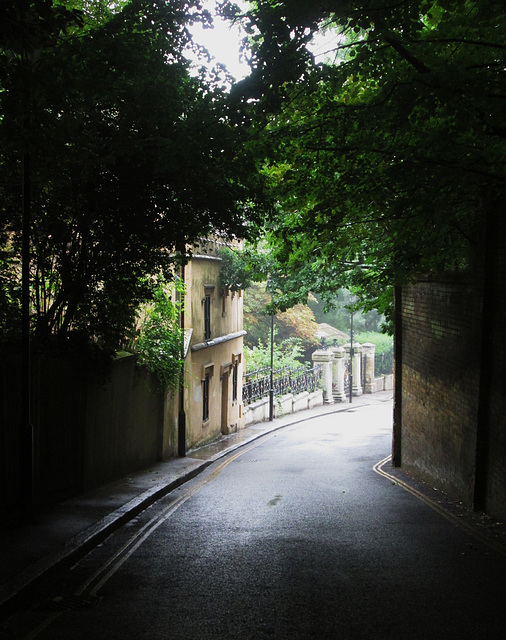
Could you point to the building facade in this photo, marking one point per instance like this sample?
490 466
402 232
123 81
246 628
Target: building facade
213 323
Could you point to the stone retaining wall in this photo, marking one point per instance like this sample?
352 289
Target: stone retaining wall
290 403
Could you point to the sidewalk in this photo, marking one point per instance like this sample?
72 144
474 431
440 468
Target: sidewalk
65 531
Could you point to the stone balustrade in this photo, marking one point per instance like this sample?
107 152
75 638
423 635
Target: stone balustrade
334 363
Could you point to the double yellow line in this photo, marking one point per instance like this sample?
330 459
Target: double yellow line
102 575
378 468
92 585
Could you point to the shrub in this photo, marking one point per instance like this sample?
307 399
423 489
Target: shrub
384 350
159 340
287 353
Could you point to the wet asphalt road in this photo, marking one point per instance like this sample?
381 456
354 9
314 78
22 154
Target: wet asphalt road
294 536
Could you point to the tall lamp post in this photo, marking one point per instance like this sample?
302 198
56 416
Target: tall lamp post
351 355
271 379
27 448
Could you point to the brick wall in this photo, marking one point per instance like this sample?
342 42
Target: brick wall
441 331
494 364
452 394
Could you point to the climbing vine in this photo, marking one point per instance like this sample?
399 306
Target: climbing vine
159 338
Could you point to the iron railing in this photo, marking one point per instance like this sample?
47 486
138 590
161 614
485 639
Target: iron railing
256 384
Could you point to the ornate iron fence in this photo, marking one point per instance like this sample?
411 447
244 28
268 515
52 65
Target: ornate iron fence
256 384
384 363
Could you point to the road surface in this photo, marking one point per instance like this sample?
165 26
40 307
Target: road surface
293 537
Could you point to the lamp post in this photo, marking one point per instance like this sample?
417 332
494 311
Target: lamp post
271 380
27 445
270 289
351 356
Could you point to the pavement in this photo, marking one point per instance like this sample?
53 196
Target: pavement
64 532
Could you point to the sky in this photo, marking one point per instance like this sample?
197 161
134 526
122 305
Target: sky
224 40
223 43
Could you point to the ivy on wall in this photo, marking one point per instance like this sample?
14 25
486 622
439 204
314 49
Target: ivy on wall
159 339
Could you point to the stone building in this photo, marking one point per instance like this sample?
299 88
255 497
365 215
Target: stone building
213 323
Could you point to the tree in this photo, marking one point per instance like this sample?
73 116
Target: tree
295 326
286 353
300 321
257 322
234 272
388 161
338 315
133 158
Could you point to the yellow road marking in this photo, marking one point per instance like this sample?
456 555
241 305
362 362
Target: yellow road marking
101 576
378 468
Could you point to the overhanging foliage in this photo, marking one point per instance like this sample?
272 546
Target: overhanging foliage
387 159
132 159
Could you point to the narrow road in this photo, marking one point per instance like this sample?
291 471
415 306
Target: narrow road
293 537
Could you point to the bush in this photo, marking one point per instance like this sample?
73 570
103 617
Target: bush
384 362
287 353
159 339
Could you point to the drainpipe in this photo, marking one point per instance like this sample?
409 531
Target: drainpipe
181 421
397 417
27 444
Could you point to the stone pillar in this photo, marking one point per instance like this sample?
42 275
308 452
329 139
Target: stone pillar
323 358
356 369
338 373
369 351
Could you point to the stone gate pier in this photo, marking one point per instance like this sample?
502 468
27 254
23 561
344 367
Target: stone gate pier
336 364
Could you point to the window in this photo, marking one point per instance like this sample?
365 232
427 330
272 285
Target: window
207 316
207 374
236 359
205 396
206 300
234 381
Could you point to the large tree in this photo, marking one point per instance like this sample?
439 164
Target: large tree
387 159
132 157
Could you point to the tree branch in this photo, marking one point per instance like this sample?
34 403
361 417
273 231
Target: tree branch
478 43
409 57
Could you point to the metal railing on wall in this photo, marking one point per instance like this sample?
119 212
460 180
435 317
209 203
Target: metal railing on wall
256 384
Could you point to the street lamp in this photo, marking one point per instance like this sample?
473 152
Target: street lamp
271 381
270 288
351 355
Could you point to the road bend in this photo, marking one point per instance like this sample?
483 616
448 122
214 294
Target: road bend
296 536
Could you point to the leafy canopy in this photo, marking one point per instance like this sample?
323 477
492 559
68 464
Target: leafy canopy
132 158
387 158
